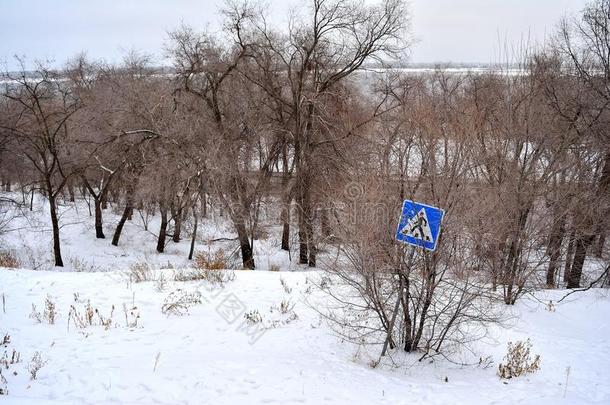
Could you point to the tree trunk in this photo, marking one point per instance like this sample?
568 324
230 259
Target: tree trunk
325 223
71 192
313 250
194 236
581 243
177 226
601 241
55 223
244 243
302 233
511 266
99 229
162 229
119 228
555 240
408 322
307 250
285 218
286 236
302 243
204 205
569 256
287 200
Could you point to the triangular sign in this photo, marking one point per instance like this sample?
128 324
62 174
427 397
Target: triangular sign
418 227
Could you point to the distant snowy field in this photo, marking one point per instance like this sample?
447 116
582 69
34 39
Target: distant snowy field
213 355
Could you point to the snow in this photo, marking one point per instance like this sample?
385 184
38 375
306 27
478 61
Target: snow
31 240
213 355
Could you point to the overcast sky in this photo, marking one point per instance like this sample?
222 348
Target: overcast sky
446 30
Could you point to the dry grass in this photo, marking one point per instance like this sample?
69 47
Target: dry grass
89 316
140 272
206 261
211 276
518 360
178 302
9 260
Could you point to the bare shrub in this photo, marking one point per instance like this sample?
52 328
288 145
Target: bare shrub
3 384
89 316
285 286
6 361
285 307
35 365
286 314
8 259
274 267
82 266
253 317
388 294
140 272
179 301
167 266
217 276
35 314
49 311
207 261
518 360
48 314
132 315
161 282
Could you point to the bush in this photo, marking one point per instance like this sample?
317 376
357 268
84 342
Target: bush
253 317
140 272
81 265
7 360
3 384
89 316
518 360
48 314
213 276
285 307
8 259
285 286
35 365
209 262
178 302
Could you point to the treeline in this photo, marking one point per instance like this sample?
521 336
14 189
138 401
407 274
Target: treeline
519 162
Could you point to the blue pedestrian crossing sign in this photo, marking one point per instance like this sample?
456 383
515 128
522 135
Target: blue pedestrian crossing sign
419 225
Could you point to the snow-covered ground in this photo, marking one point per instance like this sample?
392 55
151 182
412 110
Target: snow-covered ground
212 354
30 239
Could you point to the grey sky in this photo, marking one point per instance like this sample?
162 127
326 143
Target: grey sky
447 30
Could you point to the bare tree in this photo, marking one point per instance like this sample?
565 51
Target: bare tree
585 44
40 107
298 70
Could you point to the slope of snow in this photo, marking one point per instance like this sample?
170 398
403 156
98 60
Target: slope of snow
204 357
213 355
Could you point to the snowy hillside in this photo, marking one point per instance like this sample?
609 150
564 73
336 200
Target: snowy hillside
208 352
212 355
